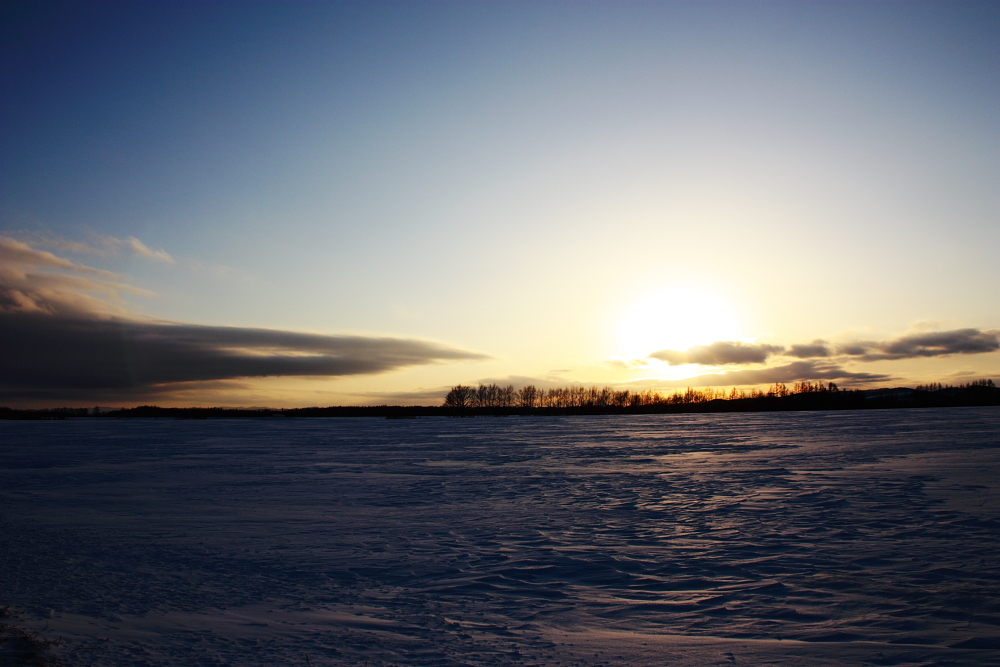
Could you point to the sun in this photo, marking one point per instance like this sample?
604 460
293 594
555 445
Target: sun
676 318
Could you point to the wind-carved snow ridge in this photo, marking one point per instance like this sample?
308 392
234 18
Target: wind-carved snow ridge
791 539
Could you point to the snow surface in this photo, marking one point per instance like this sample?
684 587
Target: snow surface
824 538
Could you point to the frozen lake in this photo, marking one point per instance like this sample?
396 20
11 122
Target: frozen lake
791 539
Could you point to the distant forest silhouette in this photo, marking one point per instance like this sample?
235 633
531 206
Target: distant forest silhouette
492 396
495 400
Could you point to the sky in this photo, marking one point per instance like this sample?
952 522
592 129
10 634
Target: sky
295 203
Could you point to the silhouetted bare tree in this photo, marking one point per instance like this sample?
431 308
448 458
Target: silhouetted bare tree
460 397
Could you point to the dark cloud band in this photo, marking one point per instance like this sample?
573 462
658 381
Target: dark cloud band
62 340
721 353
932 344
43 353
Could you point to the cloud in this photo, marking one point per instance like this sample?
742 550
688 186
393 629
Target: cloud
626 364
793 372
139 248
721 353
15 253
934 344
35 281
923 344
103 246
107 246
817 348
418 397
820 360
43 352
60 340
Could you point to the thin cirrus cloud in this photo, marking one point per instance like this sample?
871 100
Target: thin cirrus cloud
63 337
139 248
104 246
110 246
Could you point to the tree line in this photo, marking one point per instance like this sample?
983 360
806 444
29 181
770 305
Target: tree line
493 397
937 386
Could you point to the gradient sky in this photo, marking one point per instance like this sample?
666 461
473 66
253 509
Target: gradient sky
330 203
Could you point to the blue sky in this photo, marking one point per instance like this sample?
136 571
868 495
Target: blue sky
548 188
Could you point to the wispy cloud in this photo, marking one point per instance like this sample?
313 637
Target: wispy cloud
626 364
36 281
139 248
63 338
17 253
433 396
793 372
102 246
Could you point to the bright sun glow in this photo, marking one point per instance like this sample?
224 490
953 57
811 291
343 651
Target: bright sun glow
676 319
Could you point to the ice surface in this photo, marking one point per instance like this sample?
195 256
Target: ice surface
818 538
